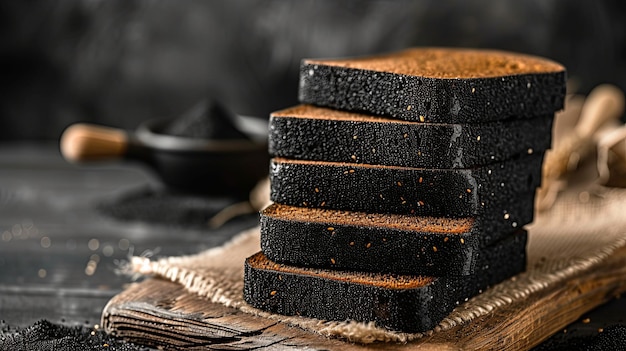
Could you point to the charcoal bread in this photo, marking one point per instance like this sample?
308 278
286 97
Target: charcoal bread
509 251
306 132
372 242
402 190
386 243
407 303
501 218
441 85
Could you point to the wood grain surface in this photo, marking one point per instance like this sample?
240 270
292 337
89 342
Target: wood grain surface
161 313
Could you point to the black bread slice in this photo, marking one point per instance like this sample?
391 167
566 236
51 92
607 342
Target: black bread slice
402 190
386 243
371 242
500 219
406 303
442 85
307 132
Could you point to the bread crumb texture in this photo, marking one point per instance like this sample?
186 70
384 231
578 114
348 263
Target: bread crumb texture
386 281
449 63
375 220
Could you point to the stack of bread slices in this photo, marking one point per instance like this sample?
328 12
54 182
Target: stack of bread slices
402 184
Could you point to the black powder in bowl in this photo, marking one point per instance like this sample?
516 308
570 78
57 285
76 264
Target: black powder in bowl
207 120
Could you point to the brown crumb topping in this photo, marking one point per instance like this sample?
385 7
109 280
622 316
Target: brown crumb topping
449 63
387 281
315 112
332 218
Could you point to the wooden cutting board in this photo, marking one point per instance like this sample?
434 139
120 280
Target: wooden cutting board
161 313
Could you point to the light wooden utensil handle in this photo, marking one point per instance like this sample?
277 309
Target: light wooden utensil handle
87 142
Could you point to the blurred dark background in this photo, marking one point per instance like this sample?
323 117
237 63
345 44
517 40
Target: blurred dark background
119 62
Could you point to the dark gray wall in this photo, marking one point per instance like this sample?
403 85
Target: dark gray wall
120 62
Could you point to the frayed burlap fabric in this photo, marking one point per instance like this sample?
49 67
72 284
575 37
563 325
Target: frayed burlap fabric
582 228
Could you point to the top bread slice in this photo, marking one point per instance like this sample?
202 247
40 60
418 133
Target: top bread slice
441 85
307 132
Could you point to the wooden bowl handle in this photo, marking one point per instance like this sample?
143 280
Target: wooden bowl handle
87 142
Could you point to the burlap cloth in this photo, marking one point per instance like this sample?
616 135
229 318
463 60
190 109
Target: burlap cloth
581 228
578 228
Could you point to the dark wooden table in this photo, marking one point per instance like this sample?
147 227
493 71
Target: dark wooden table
59 254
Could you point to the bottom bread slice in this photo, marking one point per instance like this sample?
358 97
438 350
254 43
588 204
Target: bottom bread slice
407 303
